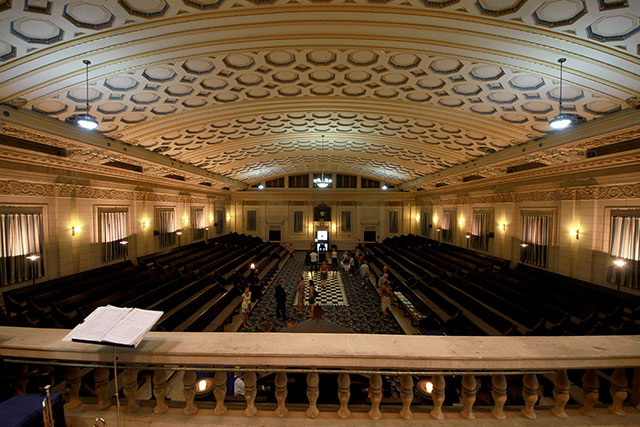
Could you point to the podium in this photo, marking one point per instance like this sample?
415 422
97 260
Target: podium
117 327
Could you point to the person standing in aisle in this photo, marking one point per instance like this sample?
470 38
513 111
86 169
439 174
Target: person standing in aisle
300 294
313 257
312 297
334 258
244 306
324 273
281 301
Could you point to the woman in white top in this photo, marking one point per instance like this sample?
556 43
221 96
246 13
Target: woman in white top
245 305
334 258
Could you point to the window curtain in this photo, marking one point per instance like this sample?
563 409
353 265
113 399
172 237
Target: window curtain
625 244
21 234
479 238
114 228
445 226
198 224
425 221
252 220
167 227
297 221
346 221
393 221
535 233
219 222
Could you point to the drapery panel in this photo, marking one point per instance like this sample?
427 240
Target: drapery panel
297 221
346 221
252 220
393 221
425 221
114 228
219 222
167 227
625 243
479 224
198 224
535 234
21 234
445 226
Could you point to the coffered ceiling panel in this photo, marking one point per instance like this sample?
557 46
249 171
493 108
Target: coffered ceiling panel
255 89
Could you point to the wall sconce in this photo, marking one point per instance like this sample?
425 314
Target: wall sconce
576 234
228 217
438 229
524 245
435 219
461 222
468 235
210 218
206 228
179 233
145 223
74 230
502 226
186 220
619 262
418 218
310 228
252 266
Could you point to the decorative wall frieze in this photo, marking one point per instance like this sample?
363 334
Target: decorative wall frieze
18 188
628 191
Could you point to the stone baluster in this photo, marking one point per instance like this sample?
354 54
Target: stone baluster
312 394
619 390
101 381
468 396
189 386
590 384
219 391
406 396
130 389
375 395
72 387
499 394
344 393
561 386
160 391
20 384
281 393
250 390
635 388
437 395
530 395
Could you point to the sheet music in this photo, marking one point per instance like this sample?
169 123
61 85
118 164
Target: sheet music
98 323
115 325
132 328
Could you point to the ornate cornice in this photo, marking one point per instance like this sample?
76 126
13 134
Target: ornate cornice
628 191
18 188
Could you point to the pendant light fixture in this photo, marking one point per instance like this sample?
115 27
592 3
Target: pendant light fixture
87 121
322 181
560 121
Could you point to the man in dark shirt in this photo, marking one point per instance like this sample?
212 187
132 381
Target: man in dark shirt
281 301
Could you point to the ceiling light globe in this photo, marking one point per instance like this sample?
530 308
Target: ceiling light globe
560 122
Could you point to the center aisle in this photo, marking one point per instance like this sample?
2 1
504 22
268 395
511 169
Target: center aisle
362 314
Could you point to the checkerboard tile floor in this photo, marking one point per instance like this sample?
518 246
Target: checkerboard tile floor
332 293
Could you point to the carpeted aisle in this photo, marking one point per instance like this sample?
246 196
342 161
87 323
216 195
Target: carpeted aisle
362 315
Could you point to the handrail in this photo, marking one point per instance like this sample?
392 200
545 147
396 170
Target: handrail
346 351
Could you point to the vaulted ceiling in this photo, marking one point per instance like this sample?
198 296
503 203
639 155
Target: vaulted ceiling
395 90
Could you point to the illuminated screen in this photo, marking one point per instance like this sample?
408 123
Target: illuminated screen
322 235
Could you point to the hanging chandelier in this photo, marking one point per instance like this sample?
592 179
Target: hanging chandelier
322 181
87 121
560 121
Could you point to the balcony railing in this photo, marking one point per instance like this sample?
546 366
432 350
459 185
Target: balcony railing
504 359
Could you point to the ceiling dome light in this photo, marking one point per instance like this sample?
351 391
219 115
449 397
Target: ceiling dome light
87 121
561 121
385 187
